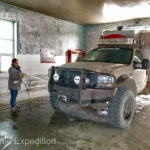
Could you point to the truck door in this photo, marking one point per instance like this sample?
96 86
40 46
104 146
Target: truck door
139 74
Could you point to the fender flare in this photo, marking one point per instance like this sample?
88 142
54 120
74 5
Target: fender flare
124 81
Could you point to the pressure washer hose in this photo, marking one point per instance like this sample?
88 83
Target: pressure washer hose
28 90
28 95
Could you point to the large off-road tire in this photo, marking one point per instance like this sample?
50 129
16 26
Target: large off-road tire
121 109
54 103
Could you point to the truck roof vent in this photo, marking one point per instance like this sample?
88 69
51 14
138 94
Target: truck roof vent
119 28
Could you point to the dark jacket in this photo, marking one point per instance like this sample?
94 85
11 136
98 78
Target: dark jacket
14 81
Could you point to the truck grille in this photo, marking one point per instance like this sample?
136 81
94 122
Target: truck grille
66 78
92 80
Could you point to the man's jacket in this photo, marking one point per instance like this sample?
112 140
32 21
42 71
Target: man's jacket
14 81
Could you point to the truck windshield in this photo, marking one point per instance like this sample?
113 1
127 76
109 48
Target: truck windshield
112 55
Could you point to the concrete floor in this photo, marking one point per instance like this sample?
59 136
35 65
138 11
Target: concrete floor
48 130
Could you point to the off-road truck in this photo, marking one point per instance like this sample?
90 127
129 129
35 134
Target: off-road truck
114 73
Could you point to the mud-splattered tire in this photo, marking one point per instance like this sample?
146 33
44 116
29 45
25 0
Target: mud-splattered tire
54 103
121 109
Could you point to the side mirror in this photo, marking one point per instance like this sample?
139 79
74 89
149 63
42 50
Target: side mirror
135 65
145 64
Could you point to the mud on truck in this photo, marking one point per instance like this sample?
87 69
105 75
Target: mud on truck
113 73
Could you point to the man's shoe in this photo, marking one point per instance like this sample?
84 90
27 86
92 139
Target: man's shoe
14 112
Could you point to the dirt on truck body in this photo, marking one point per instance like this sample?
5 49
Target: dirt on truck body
115 73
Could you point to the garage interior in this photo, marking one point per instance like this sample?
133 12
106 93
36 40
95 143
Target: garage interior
61 25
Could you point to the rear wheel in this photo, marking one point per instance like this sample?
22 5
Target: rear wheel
121 109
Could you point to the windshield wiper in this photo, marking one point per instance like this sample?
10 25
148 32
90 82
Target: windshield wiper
88 60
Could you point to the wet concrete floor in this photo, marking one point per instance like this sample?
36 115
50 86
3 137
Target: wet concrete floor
44 129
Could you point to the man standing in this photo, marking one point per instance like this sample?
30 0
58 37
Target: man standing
14 84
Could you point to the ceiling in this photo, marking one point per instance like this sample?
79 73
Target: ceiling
87 12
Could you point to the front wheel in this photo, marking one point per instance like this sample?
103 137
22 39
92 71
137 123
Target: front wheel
121 109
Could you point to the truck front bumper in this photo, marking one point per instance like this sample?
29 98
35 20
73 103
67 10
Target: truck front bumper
82 98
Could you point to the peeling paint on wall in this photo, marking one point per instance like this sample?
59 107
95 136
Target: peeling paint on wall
36 31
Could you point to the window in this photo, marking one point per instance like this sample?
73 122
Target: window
137 62
8 43
138 56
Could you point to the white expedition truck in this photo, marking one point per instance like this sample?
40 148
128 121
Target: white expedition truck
114 73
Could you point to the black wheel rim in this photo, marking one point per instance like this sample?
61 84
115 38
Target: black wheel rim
127 109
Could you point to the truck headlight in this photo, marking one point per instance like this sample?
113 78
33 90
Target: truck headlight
105 81
56 76
87 80
77 80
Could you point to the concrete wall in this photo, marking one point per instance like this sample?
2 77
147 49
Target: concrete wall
36 31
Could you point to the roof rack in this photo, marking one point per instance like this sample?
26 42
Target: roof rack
118 41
